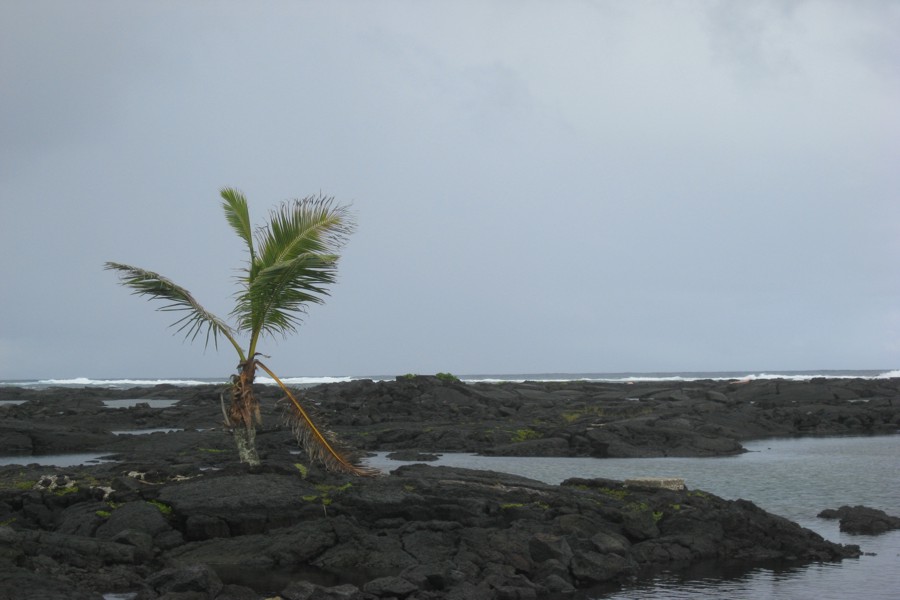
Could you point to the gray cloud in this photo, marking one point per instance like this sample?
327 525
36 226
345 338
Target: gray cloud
577 187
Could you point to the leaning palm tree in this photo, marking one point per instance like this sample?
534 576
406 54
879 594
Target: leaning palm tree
290 266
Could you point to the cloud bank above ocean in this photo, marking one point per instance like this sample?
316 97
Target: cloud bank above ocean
539 187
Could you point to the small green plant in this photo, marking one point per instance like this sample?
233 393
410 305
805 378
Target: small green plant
65 490
448 377
617 494
522 435
325 497
324 488
408 487
103 513
212 450
162 506
304 470
24 485
657 516
8 521
571 417
510 505
637 507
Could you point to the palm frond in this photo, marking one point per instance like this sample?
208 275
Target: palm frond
238 215
296 261
312 225
319 445
276 299
196 320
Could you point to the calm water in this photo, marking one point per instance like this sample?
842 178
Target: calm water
146 431
132 402
54 460
795 478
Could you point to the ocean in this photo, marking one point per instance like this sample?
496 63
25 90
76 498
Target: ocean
305 381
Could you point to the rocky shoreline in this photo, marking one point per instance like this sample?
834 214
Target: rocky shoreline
176 517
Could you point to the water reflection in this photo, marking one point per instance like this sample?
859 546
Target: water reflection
772 581
54 460
795 478
146 431
132 402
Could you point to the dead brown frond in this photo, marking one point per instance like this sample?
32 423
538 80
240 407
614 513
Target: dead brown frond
319 445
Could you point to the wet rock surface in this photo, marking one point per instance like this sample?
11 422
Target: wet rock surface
427 414
175 516
421 532
862 519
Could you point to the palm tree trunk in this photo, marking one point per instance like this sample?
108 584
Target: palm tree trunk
243 414
245 439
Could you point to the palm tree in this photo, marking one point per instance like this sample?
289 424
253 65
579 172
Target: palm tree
294 260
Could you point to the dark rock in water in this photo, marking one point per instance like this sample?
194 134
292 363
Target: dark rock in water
237 592
303 590
862 519
197 579
553 446
392 586
423 532
508 532
413 456
15 442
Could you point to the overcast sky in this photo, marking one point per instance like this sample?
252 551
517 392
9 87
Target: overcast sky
539 186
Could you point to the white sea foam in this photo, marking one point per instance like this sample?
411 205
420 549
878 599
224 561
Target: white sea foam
679 377
127 383
304 381
826 374
84 381
598 378
489 378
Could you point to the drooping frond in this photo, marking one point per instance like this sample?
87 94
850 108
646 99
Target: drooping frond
238 215
295 262
319 445
196 320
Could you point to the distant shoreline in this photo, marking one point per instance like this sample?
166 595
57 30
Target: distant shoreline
619 419
602 377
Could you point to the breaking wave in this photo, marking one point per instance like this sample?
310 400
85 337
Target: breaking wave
84 381
487 378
